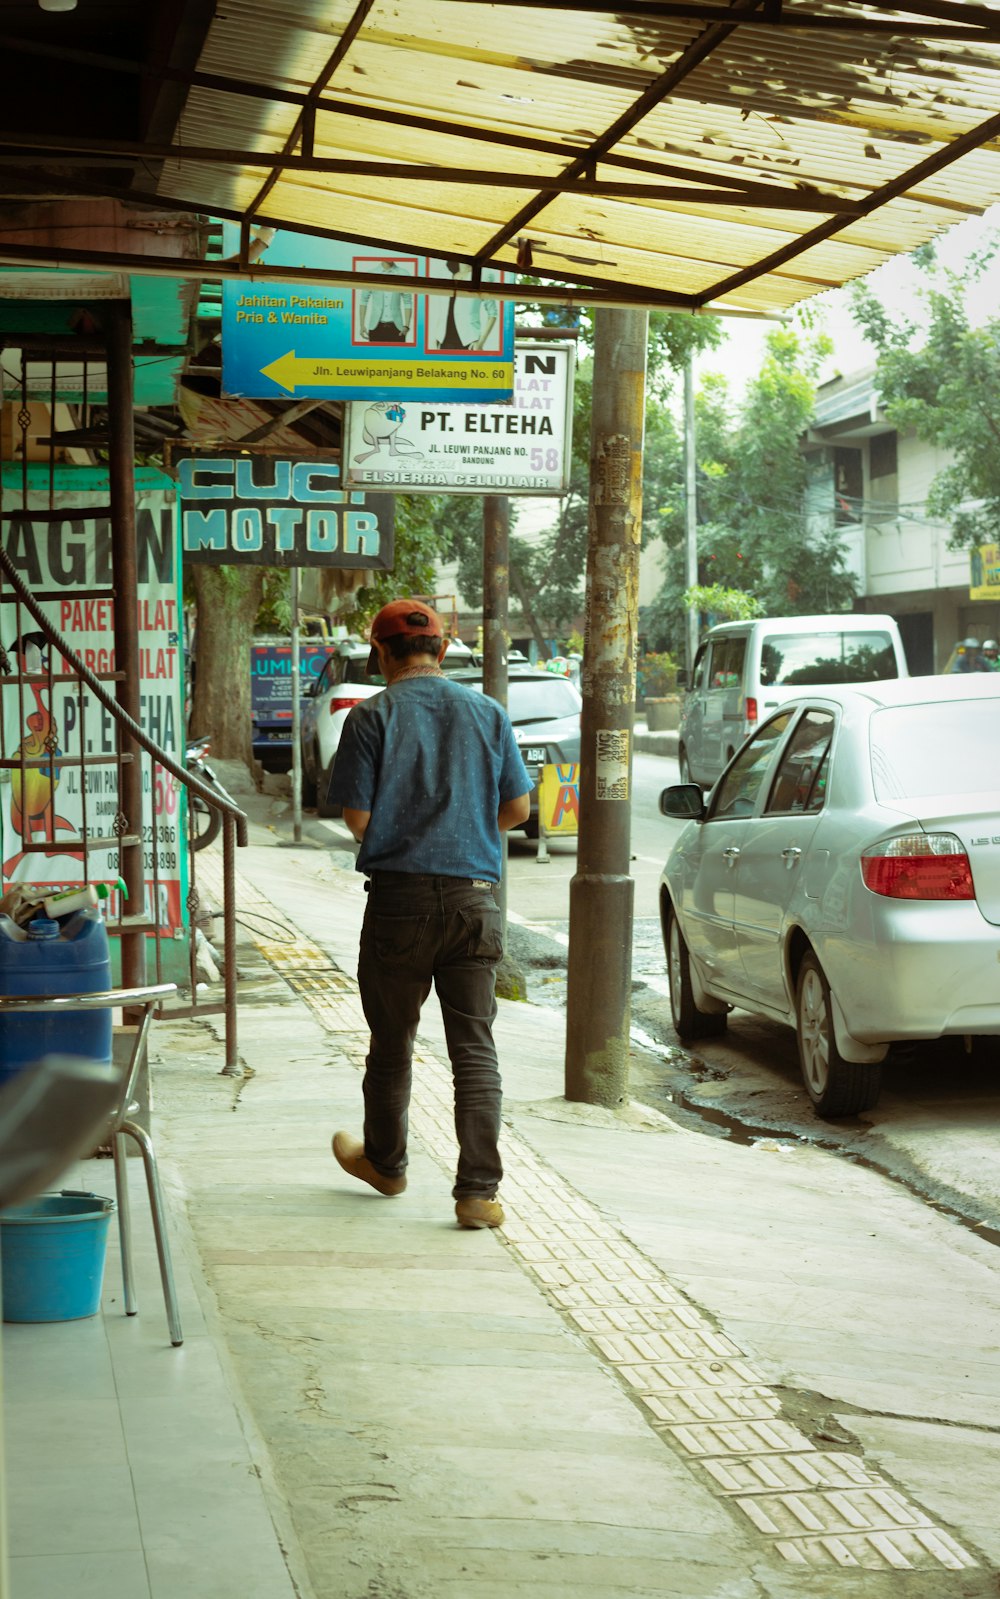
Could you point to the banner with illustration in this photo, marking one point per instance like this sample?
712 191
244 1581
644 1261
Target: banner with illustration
65 562
411 323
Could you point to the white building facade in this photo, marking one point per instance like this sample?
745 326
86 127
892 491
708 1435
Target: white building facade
873 483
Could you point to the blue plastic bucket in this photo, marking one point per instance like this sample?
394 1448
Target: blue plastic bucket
52 1253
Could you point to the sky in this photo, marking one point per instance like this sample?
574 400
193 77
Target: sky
896 284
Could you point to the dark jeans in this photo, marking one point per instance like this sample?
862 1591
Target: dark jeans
419 930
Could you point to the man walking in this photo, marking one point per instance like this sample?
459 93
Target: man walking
429 775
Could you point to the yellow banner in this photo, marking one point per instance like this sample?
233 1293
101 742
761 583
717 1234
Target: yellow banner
984 572
559 799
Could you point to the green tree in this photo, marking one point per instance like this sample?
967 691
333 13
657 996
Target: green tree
751 479
553 568
940 378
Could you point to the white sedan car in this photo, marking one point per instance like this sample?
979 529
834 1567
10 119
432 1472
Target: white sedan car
843 876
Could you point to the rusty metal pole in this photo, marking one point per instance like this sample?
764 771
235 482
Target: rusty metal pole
690 515
121 481
496 619
598 1008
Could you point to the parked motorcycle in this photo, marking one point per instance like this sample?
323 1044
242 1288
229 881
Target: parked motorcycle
206 821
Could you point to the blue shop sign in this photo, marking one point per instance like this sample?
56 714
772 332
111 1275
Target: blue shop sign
268 511
389 338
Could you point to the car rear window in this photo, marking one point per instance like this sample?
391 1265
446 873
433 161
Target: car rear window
919 750
848 657
354 672
540 701
537 699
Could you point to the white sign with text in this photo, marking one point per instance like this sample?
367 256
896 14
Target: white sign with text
524 447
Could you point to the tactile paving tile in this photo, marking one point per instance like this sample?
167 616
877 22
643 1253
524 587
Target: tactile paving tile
629 1349
668 1377
752 1437
699 1393
789 1473
832 1511
633 1318
926 1549
684 1405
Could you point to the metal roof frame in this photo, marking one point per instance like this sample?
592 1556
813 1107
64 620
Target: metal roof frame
684 154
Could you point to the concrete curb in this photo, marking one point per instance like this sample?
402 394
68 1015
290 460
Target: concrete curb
648 743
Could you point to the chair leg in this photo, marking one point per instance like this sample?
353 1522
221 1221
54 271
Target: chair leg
124 1222
145 1143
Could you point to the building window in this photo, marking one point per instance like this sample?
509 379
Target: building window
848 486
882 455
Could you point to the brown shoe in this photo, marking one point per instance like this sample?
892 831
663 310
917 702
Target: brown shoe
350 1154
475 1212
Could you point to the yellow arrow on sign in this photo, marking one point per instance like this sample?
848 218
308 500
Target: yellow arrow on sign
291 372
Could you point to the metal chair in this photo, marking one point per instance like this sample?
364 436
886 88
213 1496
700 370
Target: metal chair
121 1124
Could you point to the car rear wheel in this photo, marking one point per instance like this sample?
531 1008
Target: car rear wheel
837 1087
323 805
690 1022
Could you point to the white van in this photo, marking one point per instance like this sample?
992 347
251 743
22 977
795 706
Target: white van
743 670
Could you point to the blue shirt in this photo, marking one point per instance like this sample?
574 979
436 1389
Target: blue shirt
432 761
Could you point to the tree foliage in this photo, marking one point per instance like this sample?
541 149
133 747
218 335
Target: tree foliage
553 566
941 379
751 480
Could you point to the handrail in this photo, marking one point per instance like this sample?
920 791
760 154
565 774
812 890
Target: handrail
161 757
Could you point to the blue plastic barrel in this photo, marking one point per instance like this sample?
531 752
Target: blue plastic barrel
52 1251
69 956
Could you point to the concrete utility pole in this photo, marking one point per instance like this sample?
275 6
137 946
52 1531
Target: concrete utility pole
598 1005
690 512
496 620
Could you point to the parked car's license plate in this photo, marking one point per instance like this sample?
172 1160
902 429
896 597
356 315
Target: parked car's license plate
535 753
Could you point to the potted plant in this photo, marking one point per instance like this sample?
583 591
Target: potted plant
658 686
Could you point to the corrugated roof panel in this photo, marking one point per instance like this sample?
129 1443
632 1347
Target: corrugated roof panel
317 209
844 111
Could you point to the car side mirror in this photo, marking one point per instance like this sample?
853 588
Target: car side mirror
682 677
309 692
684 800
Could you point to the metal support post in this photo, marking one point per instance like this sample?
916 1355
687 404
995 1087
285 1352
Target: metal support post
496 637
602 891
121 482
690 512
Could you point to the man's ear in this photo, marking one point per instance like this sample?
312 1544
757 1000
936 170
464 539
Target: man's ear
443 651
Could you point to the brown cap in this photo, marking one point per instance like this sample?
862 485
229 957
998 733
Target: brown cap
410 617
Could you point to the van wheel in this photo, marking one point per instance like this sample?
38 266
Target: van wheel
690 1023
837 1087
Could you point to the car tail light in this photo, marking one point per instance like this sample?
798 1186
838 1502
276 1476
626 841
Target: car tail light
919 866
345 703
751 711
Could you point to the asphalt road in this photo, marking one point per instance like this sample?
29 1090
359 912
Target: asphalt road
935 1127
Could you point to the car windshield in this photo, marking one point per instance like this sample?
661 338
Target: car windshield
919 750
848 657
